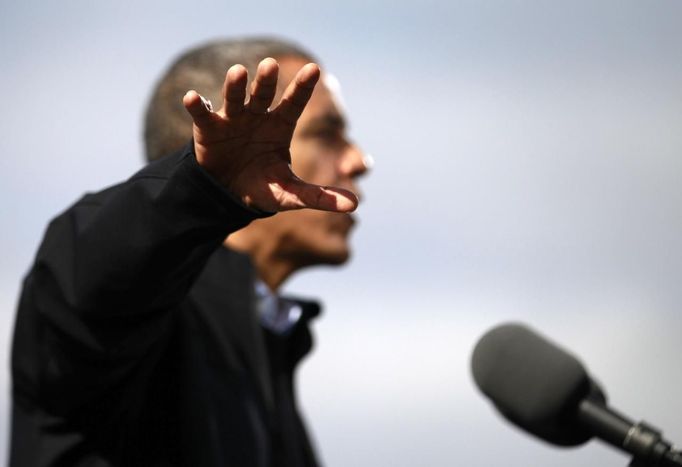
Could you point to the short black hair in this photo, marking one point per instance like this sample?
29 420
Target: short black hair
168 126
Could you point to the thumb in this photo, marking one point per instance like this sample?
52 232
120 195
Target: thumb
324 198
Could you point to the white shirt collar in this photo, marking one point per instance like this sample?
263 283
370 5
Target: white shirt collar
277 314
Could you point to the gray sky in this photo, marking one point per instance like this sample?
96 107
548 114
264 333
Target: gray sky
527 168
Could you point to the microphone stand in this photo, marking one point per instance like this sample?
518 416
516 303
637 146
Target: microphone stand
649 448
643 441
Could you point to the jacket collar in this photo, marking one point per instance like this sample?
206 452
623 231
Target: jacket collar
227 296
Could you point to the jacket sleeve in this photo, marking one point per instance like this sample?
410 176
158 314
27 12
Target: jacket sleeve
112 268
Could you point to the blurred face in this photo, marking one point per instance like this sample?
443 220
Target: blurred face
321 154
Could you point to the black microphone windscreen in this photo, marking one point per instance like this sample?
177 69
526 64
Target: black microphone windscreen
533 383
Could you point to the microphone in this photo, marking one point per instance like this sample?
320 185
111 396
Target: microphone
546 391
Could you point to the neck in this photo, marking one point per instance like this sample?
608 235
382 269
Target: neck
272 267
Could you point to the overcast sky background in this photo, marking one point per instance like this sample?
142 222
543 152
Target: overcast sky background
527 168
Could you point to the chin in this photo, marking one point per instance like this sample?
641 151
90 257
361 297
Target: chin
340 257
329 256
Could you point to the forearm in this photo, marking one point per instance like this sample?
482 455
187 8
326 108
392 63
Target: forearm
139 245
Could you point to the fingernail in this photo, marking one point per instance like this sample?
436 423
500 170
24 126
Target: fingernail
207 103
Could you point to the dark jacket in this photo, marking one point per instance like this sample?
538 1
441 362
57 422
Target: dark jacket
137 342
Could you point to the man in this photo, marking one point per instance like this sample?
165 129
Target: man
140 339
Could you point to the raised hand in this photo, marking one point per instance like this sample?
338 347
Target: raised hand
246 146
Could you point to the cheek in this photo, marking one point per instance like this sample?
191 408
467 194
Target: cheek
318 227
318 237
304 224
314 223
314 164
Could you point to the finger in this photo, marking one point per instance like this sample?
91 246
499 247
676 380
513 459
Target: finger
199 108
234 90
298 93
305 195
264 86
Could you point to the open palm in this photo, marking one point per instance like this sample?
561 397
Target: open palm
245 146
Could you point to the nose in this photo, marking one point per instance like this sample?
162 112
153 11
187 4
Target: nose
354 162
352 165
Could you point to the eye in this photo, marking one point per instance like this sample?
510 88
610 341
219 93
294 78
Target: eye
331 137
